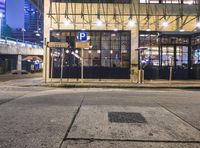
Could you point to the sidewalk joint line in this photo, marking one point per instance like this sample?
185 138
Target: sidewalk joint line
178 116
72 122
132 140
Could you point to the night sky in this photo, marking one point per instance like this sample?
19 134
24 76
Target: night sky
15 13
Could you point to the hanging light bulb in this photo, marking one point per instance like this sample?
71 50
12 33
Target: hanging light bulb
181 30
98 51
99 22
148 29
51 28
198 24
131 22
115 29
165 24
67 22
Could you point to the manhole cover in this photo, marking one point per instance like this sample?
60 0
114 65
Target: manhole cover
124 117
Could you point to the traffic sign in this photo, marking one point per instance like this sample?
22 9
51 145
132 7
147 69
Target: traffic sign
82 44
82 36
57 44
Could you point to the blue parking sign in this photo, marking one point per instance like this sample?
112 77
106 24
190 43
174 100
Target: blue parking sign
82 36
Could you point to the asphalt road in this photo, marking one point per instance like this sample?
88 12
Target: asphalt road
41 117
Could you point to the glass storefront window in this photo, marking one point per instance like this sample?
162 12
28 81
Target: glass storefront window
167 55
168 1
196 56
108 48
182 55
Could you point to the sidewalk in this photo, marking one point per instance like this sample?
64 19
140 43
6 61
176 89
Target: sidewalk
9 76
182 84
37 80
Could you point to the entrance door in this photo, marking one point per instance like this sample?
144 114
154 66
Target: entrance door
177 57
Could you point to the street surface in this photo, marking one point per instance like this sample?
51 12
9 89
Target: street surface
44 117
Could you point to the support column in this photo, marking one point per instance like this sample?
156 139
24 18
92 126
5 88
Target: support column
134 54
19 62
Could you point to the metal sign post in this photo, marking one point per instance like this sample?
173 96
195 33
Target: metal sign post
53 45
62 65
82 65
45 61
171 69
82 43
52 58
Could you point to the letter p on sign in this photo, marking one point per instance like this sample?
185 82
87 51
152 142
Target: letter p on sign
82 36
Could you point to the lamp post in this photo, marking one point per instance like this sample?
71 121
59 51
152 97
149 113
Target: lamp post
23 30
1 16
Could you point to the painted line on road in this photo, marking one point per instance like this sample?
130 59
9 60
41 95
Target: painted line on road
72 122
131 140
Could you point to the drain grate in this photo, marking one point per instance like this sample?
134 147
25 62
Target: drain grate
125 117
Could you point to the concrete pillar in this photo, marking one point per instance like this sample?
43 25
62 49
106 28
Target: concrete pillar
19 62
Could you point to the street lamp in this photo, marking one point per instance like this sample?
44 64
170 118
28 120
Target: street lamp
1 16
23 30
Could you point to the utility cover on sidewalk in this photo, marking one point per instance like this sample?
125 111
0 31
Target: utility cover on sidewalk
124 117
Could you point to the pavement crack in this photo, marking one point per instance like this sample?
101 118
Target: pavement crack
72 122
178 116
5 101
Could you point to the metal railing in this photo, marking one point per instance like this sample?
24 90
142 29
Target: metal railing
17 42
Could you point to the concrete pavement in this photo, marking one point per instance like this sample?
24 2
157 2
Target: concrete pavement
46 117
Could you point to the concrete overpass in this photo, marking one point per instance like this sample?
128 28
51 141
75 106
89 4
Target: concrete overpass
12 53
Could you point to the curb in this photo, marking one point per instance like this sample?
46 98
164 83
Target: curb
153 86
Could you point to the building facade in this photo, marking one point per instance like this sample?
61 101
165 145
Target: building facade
3 14
124 36
33 24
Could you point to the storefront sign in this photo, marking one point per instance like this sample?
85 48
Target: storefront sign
57 44
82 44
82 36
